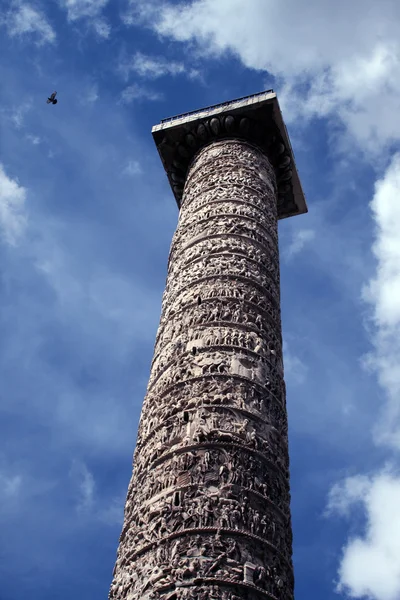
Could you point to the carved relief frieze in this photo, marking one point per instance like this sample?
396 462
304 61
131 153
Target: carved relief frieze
265 401
226 225
245 195
231 206
220 242
207 511
226 288
206 254
239 288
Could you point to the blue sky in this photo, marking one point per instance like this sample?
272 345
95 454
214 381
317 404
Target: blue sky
86 219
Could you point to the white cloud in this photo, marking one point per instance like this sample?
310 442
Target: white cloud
13 217
23 19
385 208
113 514
10 485
138 92
295 369
78 9
17 116
132 168
300 239
352 91
383 295
90 10
109 511
344 494
33 139
102 28
91 95
370 565
139 11
85 485
151 67
330 59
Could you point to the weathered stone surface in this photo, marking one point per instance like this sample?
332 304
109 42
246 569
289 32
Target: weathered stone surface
207 512
257 119
229 123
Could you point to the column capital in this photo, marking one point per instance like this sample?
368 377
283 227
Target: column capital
256 119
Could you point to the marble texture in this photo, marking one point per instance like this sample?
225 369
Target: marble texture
207 513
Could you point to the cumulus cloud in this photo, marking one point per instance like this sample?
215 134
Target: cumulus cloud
370 565
352 90
383 295
23 19
13 218
343 495
329 60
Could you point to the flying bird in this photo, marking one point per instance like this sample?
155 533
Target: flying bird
52 98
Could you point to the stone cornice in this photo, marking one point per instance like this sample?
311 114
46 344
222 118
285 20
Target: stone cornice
256 120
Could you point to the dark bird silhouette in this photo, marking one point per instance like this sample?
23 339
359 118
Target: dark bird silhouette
52 98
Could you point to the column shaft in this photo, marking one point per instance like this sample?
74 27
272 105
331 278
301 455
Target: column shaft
207 513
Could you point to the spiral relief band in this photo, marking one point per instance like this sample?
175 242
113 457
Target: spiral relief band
207 515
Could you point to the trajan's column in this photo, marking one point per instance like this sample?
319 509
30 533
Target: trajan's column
207 515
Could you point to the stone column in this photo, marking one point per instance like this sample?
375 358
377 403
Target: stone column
207 513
